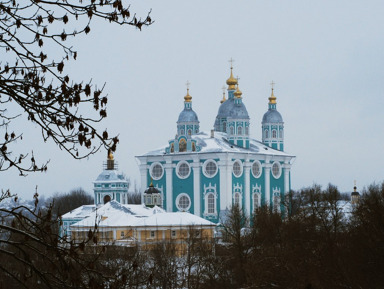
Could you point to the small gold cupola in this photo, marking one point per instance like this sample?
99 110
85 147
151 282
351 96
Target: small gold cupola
224 99
188 98
231 81
110 161
238 92
272 98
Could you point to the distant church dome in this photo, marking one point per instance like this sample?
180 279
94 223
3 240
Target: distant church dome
151 190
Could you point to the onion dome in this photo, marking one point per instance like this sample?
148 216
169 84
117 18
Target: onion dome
272 98
238 92
224 99
231 81
188 98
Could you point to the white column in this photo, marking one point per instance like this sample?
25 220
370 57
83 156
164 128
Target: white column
287 168
196 186
168 184
143 173
267 174
229 182
247 183
223 184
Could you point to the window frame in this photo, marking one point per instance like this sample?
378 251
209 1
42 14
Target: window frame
178 170
177 201
240 167
151 171
206 163
278 174
260 169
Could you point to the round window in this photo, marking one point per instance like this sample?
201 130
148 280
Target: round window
237 168
210 168
256 169
183 202
183 170
156 171
276 170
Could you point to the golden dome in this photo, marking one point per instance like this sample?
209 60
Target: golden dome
272 98
187 98
224 99
238 92
231 81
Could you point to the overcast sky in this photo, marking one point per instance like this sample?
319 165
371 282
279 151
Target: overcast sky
326 58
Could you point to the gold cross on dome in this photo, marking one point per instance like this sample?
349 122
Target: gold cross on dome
223 88
272 84
187 84
231 61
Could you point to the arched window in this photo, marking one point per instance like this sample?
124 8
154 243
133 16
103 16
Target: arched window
211 203
172 148
274 134
107 199
276 203
182 145
247 130
240 130
256 201
224 126
193 147
237 199
182 132
231 129
189 132
266 133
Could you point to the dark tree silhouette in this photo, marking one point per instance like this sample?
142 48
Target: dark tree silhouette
31 31
64 202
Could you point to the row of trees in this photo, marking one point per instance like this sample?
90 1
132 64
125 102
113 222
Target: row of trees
321 243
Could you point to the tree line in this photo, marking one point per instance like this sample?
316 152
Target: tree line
321 241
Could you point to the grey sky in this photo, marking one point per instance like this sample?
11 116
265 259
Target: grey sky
326 58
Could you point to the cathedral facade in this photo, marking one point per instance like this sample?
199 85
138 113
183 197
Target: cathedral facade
207 173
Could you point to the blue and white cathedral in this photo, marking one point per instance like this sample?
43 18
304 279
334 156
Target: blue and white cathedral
207 173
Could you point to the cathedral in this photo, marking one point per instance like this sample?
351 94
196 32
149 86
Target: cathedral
205 173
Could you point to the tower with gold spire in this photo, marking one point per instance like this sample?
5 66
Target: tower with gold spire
187 126
110 184
232 117
273 125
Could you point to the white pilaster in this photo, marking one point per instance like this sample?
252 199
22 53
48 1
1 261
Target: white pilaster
168 184
229 182
247 183
267 174
196 185
287 168
223 183
144 185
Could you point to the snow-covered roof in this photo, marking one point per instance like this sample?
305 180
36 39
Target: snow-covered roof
174 220
110 176
219 143
114 214
80 212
